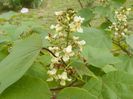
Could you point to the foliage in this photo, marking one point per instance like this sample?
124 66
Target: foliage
77 59
15 4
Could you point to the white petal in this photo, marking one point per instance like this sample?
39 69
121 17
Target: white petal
50 79
59 13
75 37
64 76
52 71
52 27
24 10
80 30
82 42
63 82
47 37
66 58
68 49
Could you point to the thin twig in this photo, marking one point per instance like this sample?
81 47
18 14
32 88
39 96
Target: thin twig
54 55
49 51
59 88
81 5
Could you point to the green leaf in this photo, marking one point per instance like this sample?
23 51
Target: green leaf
81 69
22 55
109 68
130 40
75 93
96 38
105 11
87 14
10 31
119 1
113 85
8 15
27 88
126 64
99 57
37 70
94 86
117 85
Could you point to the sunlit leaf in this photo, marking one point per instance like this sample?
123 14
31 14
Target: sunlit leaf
19 60
75 93
27 88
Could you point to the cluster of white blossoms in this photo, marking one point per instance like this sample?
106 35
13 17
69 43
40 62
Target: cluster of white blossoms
120 26
64 45
72 22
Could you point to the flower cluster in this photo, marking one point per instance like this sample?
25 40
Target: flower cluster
120 26
64 45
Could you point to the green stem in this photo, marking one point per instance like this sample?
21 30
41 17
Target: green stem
122 48
81 5
67 38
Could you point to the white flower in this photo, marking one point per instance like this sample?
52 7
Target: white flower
116 34
68 52
61 34
123 34
62 82
58 28
125 30
121 17
72 27
68 49
50 79
128 9
52 74
57 54
24 10
80 30
52 27
53 48
116 12
66 58
63 77
78 19
54 36
55 60
75 37
47 38
82 42
59 13
52 71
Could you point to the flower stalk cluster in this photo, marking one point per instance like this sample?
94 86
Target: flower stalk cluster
64 45
120 27
120 30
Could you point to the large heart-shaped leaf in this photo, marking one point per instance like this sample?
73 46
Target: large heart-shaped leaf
114 85
126 64
94 86
75 93
19 60
27 88
117 85
87 14
7 15
81 68
99 57
95 38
